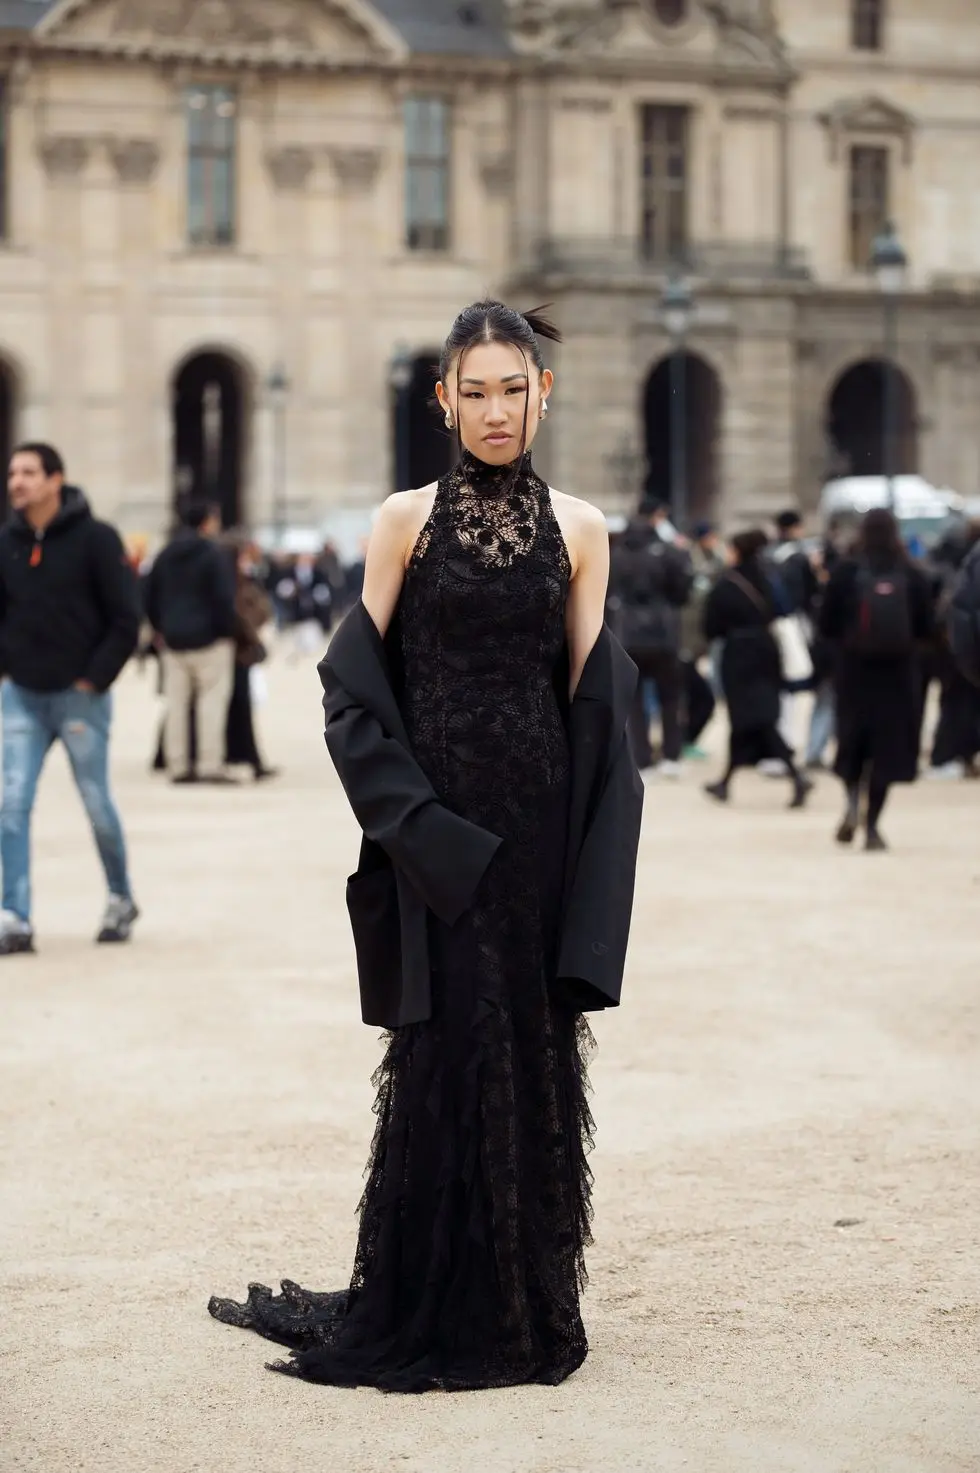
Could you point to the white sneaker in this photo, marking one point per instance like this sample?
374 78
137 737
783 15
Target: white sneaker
771 767
15 935
949 772
670 770
117 922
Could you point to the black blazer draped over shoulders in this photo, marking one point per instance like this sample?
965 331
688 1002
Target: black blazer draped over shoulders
418 856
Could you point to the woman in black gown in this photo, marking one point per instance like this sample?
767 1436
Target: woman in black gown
476 1212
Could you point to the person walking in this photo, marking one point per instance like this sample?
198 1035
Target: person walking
797 589
741 610
877 608
253 611
190 602
649 583
69 621
476 713
708 564
963 619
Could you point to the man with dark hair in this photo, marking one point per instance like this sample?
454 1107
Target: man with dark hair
649 583
69 621
190 601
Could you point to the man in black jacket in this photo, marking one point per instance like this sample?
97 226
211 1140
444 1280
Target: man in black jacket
190 601
650 581
69 621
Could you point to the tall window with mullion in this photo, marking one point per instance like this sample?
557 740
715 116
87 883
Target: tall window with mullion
428 171
869 201
664 174
867 24
212 115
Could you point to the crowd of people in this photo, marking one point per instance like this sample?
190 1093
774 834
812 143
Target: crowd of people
856 620
208 600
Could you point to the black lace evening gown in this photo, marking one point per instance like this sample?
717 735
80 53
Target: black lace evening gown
476 1210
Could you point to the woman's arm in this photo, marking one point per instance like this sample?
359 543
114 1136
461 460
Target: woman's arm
393 538
585 609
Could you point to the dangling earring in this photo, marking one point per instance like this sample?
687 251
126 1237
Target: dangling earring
450 422
543 411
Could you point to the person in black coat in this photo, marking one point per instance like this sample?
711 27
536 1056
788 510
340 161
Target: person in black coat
741 609
877 608
963 620
650 581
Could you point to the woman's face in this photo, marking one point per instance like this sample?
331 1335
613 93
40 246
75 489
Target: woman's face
488 402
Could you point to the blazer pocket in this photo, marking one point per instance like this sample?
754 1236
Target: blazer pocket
372 904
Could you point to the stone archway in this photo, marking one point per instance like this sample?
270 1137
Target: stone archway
211 424
424 448
701 410
856 420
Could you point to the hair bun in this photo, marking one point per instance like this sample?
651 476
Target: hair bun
542 325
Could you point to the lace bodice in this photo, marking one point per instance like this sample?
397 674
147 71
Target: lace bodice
483 624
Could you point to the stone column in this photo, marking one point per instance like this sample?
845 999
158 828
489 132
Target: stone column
146 457
289 168
356 170
64 158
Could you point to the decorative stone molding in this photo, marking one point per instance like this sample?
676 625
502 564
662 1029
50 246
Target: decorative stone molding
289 166
63 155
356 168
867 117
135 159
268 32
497 173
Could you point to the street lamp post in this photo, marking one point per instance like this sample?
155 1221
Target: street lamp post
277 387
400 376
889 262
676 310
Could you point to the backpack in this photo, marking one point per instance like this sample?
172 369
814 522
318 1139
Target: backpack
646 622
884 618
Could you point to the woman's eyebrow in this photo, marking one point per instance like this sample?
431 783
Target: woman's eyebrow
481 383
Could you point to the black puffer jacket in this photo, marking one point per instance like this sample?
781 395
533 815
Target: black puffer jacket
69 603
190 593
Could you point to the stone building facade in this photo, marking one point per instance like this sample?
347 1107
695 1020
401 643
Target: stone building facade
235 232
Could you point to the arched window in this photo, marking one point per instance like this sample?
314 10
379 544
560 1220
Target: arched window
867 24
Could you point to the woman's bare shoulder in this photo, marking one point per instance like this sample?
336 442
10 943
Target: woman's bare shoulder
404 507
582 513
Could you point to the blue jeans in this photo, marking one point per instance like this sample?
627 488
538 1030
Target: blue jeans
32 722
823 723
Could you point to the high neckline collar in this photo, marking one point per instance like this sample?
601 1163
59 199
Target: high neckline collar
490 480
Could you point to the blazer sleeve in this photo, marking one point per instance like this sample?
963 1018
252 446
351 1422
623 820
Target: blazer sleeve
443 856
596 931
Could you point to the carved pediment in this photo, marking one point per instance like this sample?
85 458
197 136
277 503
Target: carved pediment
732 35
867 116
556 25
300 32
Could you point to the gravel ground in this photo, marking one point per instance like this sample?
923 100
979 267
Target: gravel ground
786 1273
